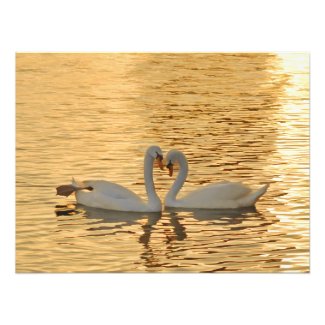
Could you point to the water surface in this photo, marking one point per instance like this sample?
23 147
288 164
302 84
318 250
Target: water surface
238 117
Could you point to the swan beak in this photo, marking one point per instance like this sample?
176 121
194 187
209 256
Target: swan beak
160 164
160 161
171 169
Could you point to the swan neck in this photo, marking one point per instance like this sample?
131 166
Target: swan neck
148 179
181 177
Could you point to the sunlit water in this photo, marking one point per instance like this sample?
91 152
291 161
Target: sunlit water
241 117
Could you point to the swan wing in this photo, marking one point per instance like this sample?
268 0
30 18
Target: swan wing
221 191
111 190
111 196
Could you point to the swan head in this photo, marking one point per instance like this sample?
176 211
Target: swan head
170 167
171 158
156 153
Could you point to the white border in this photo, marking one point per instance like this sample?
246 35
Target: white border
159 26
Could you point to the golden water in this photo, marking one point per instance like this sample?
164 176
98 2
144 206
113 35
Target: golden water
236 116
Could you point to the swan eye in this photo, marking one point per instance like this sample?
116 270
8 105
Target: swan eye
169 165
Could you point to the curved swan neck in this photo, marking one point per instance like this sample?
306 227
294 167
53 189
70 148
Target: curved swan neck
181 177
148 179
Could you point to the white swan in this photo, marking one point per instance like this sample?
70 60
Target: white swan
111 196
222 195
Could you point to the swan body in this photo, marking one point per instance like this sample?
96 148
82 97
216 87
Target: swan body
107 195
221 195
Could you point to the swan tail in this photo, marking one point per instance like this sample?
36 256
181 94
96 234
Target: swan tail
74 182
77 183
252 198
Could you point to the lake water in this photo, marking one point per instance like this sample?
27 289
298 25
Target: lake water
238 117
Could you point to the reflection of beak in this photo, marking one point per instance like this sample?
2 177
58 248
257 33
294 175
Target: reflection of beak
171 169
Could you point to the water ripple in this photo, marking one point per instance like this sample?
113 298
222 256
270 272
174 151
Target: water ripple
236 116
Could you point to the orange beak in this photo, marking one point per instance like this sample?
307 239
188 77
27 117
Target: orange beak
171 169
160 162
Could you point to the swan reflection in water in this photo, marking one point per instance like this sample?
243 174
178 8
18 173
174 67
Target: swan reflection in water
214 217
118 219
172 227
214 214
225 232
110 220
